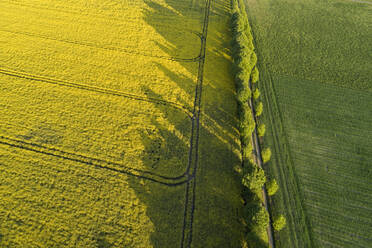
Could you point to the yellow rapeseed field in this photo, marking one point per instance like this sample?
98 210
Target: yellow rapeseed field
99 124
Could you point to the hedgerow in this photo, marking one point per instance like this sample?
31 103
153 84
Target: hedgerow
246 73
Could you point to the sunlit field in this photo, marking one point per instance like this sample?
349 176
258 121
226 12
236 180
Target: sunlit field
117 125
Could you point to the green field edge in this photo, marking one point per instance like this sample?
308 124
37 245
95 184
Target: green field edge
286 174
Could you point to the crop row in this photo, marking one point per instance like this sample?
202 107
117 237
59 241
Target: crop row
77 11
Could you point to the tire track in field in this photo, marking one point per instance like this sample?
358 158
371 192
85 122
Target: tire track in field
289 201
190 195
77 12
93 45
189 177
259 161
96 162
106 91
285 171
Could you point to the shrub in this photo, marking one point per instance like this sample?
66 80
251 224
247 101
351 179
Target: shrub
246 124
244 63
272 187
259 109
261 130
244 94
245 133
247 150
255 75
256 94
255 179
241 77
279 223
253 61
251 126
261 218
245 114
266 155
247 50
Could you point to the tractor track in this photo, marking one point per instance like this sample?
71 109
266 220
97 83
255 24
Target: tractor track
117 49
78 12
100 16
190 195
106 91
96 162
188 178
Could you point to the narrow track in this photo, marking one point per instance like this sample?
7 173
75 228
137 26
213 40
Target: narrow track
86 87
98 16
259 162
78 12
288 179
188 178
93 45
96 162
190 195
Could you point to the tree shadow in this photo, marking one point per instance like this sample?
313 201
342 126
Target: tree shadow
216 206
216 217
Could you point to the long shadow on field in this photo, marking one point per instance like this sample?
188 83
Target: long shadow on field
217 217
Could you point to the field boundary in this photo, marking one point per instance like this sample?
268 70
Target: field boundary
284 169
106 91
285 164
259 161
87 44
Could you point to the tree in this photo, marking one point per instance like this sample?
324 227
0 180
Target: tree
253 61
279 223
255 74
272 187
256 94
261 218
247 150
261 130
259 109
255 179
266 155
244 94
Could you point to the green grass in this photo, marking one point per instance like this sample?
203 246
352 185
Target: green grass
315 70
